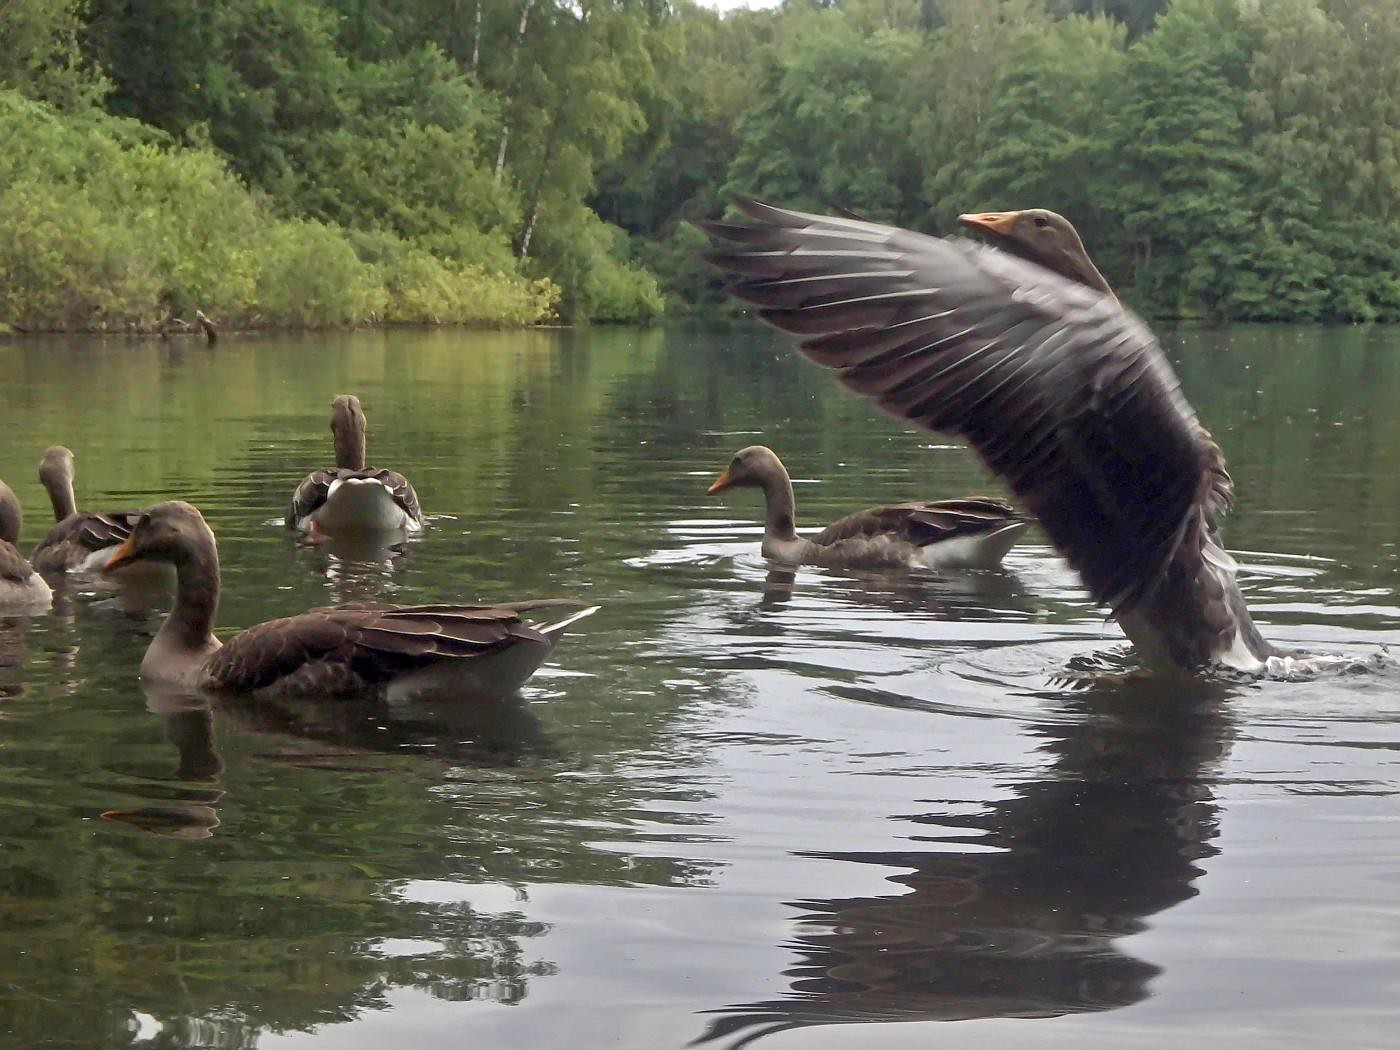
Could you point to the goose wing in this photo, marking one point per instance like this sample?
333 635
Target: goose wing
1062 391
71 540
310 495
374 642
13 566
922 523
401 489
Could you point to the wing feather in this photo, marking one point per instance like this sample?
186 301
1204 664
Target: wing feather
68 544
13 566
374 642
922 523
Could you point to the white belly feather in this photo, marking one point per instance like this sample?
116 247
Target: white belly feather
984 551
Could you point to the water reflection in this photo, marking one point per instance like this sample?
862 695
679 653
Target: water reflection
309 973
359 567
13 654
639 834
344 736
1021 908
949 595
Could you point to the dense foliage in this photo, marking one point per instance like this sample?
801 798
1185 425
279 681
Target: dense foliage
508 161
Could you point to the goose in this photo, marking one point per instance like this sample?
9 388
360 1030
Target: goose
351 497
359 649
20 585
1022 350
80 541
970 533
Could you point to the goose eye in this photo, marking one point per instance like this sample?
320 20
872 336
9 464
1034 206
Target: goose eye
1042 222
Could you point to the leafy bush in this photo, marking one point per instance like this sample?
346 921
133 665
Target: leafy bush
424 289
106 225
589 259
311 277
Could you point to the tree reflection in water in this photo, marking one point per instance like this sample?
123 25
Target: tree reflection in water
1030 923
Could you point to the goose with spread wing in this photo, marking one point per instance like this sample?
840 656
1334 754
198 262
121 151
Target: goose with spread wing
1023 351
972 533
350 497
361 649
20 585
80 541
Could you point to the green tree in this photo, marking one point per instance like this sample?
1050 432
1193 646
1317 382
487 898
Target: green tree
1181 167
41 57
1043 141
951 88
829 126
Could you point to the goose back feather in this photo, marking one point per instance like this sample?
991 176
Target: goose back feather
360 647
400 507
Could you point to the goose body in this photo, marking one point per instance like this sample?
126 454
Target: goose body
20 586
1027 355
349 497
80 541
431 651
971 533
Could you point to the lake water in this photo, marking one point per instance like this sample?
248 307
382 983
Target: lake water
840 810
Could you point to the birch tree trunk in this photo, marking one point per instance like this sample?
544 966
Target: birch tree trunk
538 194
514 61
476 42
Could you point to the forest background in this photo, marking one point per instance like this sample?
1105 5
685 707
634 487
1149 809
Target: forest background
505 162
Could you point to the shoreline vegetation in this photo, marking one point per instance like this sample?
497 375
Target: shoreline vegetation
504 163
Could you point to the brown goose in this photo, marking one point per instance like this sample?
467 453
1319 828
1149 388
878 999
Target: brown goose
80 541
351 497
971 533
20 585
446 651
1027 355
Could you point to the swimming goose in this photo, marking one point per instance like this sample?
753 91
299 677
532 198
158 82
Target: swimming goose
443 651
20 585
971 533
80 541
1026 354
350 497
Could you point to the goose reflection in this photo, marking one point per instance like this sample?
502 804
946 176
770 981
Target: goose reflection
951 595
1031 923
13 654
492 733
346 735
182 802
358 567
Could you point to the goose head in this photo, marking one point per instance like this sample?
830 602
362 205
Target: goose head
56 475
1043 237
173 532
348 429
756 466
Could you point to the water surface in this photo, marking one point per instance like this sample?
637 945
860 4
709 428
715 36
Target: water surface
824 810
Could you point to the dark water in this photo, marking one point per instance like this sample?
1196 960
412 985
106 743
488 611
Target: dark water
824 812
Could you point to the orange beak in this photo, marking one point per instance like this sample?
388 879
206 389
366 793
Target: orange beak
720 484
997 222
126 554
